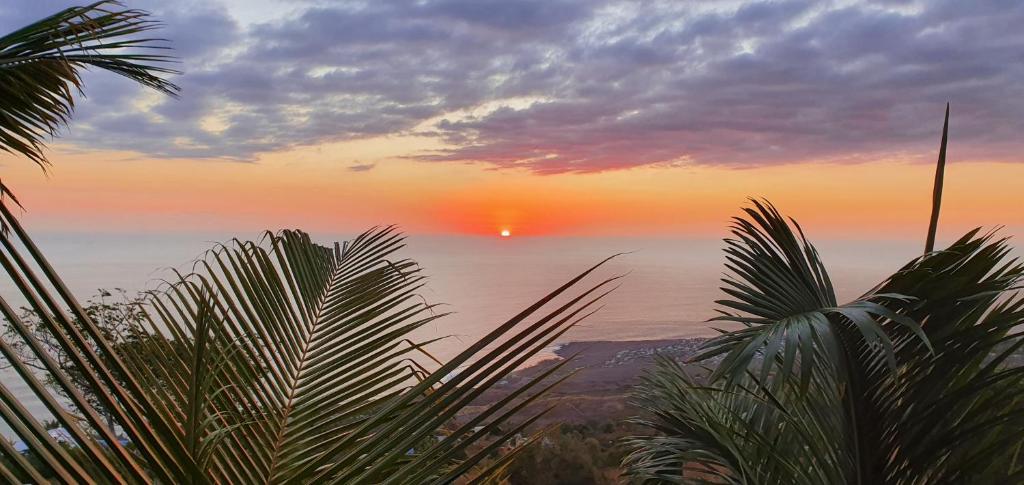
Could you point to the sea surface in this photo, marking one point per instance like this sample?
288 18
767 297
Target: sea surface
668 289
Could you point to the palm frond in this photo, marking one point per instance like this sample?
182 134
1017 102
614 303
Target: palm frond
940 173
960 400
40 66
747 432
283 361
917 404
781 292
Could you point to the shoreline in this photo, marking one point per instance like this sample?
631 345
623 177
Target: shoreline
631 348
609 365
605 373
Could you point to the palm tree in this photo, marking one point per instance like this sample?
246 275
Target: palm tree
41 63
916 382
279 361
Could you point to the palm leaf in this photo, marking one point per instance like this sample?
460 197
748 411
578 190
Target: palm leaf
40 66
940 172
284 361
742 433
935 403
960 400
781 292
947 412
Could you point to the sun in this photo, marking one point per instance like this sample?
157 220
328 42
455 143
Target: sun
505 233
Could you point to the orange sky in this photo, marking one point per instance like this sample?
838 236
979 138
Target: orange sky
313 189
560 88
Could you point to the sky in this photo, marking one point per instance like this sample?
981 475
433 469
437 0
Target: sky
546 117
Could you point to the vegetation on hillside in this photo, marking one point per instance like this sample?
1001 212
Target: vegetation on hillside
573 454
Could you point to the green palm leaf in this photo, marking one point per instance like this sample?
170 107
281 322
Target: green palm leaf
743 433
954 413
783 296
288 362
879 398
40 67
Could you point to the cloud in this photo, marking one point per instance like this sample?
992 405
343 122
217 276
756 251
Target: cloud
578 85
362 167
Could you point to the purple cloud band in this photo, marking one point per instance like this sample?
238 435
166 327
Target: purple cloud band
596 85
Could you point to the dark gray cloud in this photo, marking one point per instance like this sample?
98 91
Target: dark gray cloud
579 85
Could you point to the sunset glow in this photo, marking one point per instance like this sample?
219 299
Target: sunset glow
116 192
497 142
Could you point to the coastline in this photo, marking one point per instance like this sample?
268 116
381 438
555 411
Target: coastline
605 373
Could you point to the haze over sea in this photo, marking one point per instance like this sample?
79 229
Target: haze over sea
668 292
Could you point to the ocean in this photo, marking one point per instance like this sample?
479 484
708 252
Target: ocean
668 290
